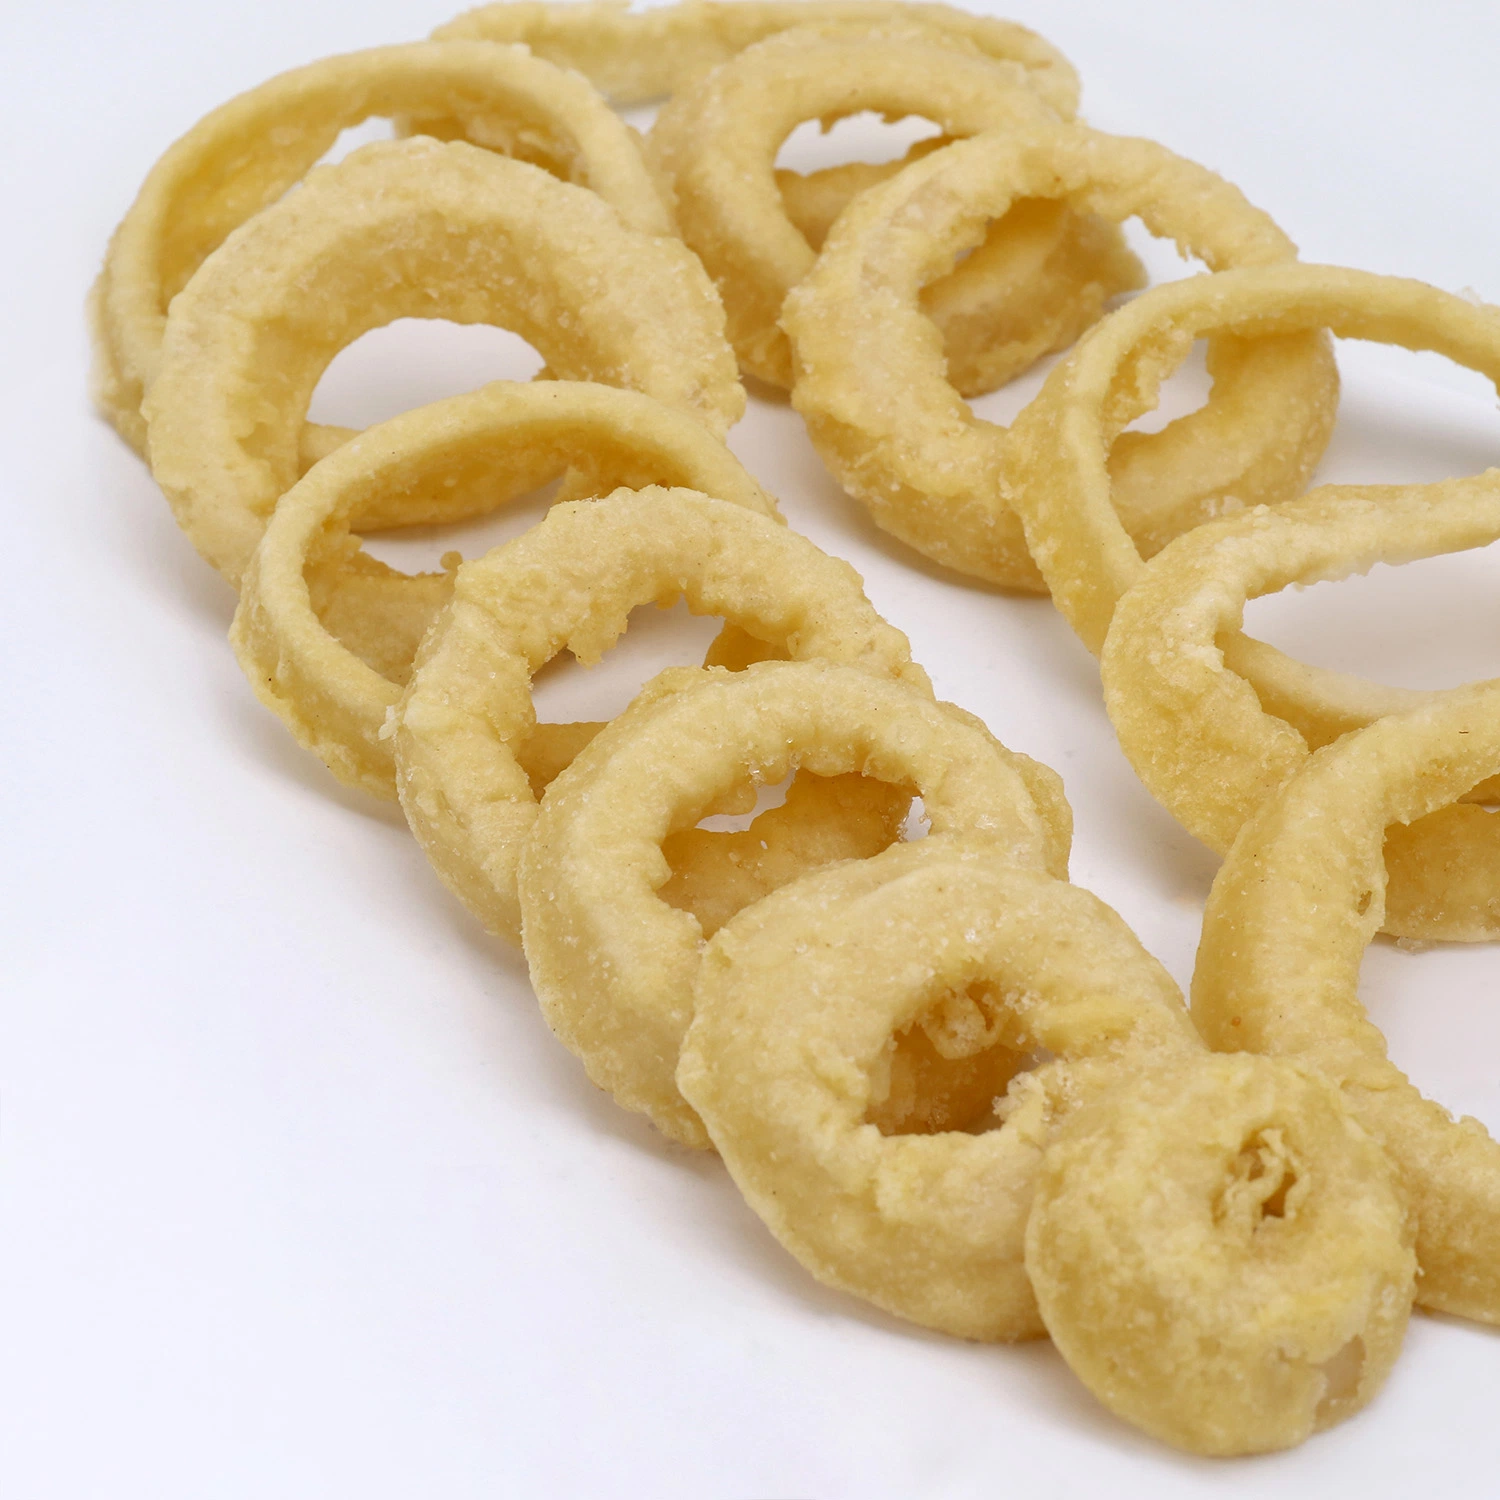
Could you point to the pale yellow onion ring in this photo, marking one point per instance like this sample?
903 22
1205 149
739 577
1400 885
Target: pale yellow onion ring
410 229
1299 898
326 634
570 584
870 375
637 56
611 962
1193 728
1221 1254
1059 470
991 304
801 1001
716 141
247 153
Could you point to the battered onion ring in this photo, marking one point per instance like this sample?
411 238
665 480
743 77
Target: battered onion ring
570 583
870 378
717 141
1221 1254
611 962
1062 475
1291 912
635 57
249 152
798 1008
410 229
326 634
1195 731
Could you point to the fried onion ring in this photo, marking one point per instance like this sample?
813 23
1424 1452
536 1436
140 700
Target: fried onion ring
1288 919
410 229
611 962
1063 476
638 56
326 634
717 141
869 364
570 583
1193 728
1221 1254
252 150
801 1006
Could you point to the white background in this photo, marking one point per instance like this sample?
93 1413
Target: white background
300 1196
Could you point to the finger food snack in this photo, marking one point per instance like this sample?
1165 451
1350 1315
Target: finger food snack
1221 1254
1297 901
410 228
326 634
570 584
1062 475
716 141
637 56
870 377
1195 729
248 153
611 962
810 1006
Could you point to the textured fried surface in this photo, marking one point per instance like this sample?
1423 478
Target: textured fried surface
870 371
1221 1254
570 584
1300 896
249 152
326 634
716 141
612 962
805 1007
1193 728
642 55
1079 505
410 229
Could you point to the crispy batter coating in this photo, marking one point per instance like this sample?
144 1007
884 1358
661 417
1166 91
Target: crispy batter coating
637 56
1297 901
249 152
870 376
569 584
716 141
1196 731
326 633
1221 1254
410 229
1063 474
807 1007
612 962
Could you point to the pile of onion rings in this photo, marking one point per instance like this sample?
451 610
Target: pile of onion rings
948 1080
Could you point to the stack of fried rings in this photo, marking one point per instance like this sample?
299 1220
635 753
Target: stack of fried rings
837 1011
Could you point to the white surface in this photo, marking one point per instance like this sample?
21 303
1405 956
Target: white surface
300 1196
